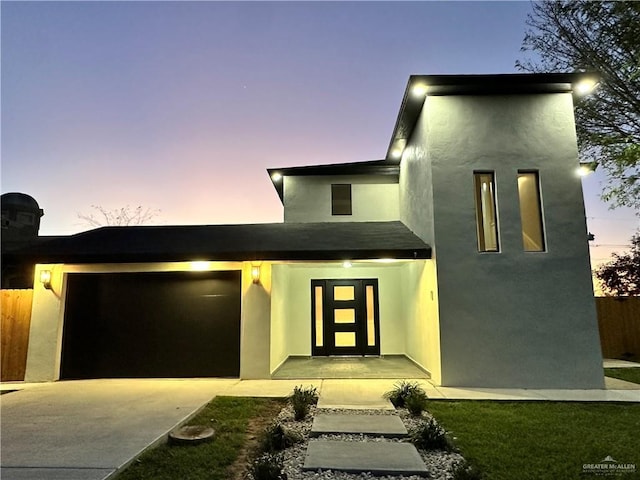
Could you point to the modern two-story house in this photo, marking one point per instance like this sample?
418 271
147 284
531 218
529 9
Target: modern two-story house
463 249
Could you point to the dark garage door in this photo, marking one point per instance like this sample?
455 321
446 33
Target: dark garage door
169 324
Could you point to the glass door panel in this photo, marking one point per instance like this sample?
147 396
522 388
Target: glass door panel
345 317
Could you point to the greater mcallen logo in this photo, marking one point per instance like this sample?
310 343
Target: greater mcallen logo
608 467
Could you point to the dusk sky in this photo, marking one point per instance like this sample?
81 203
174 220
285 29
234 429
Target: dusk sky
181 106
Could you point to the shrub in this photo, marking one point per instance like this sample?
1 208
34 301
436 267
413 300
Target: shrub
430 436
416 402
464 471
301 400
267 467
400 391
276 438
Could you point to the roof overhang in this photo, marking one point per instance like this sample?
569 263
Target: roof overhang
372 167
248 242
420 86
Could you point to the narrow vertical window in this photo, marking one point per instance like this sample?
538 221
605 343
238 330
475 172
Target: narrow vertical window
530 212
486 218
318 315
371 324
341 199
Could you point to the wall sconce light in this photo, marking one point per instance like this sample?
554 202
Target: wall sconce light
586 168
255 273
45 278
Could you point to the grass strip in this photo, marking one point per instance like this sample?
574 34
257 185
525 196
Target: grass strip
631 374
229 416
541 440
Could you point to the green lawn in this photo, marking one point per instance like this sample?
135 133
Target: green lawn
229 417
628 374
541 440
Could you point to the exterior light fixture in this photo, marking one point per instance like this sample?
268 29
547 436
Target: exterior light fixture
587 168
347 264
585 86
277 176
419 90
386 260
255 273
199 266
398 148
45 278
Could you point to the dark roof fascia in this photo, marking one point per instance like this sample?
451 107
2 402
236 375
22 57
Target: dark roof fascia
240 256
308 242
371 167
499 84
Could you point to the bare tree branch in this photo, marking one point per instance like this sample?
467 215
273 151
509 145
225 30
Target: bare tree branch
123 216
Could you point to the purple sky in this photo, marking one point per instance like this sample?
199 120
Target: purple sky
182 106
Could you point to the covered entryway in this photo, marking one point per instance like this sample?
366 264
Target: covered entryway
160 324
345 317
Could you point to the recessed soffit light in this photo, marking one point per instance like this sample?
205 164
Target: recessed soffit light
585 86
419 90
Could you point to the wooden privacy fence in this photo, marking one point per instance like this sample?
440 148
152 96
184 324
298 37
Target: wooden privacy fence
16 320
619 324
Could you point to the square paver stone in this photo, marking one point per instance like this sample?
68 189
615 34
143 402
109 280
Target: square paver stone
378 458
384 425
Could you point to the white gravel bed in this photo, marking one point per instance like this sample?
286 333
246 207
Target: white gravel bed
439 463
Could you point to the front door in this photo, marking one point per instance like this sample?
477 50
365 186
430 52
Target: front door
345 317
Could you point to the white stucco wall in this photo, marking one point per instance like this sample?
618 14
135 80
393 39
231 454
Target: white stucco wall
422 330
291 305
513 318
47 319
255 324
279 303
373 197
45 331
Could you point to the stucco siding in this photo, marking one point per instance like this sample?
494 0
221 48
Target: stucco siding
279 302
416 186
513 318
297 304
255 323
308 198
422 331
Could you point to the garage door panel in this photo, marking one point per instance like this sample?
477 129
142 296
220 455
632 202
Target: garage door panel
169 324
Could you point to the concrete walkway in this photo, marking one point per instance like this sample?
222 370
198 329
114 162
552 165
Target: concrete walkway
86 430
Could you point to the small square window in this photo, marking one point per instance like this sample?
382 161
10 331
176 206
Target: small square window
341 199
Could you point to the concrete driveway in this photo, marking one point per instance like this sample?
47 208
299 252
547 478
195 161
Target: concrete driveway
85 430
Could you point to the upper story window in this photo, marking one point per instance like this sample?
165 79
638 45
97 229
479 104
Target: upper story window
486 216
530 211
341 199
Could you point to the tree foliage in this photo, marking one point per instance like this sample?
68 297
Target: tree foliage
621 276
579 35
123 216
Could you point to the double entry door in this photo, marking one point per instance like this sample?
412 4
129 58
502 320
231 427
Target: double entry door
345 317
